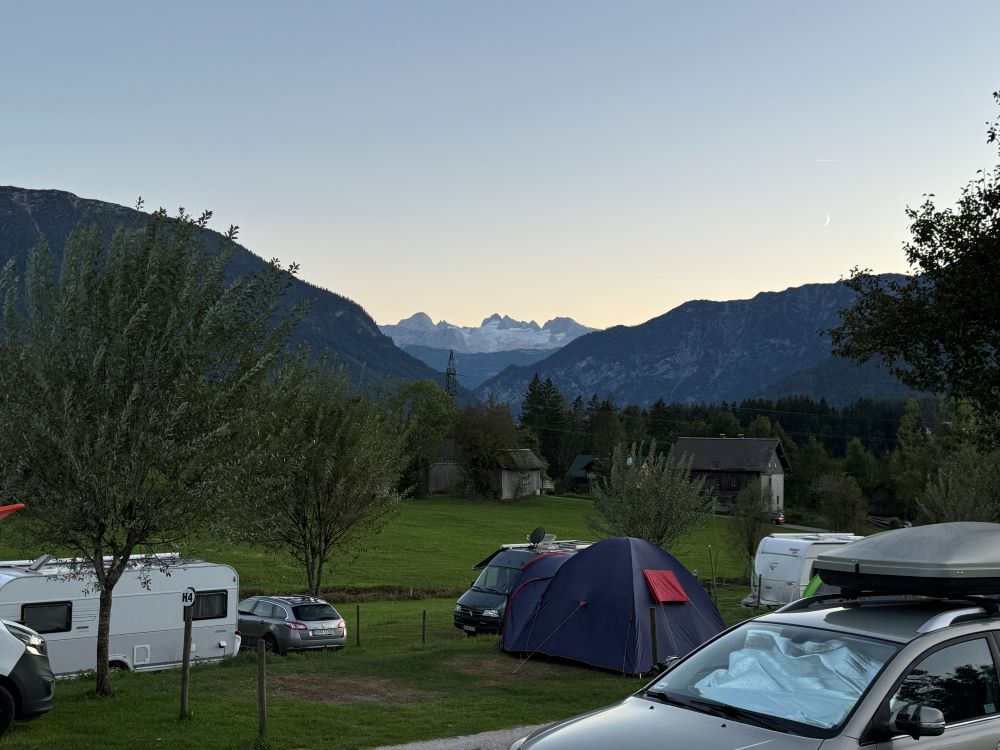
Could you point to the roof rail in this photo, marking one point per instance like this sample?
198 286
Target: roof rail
853 596
983 605
944 619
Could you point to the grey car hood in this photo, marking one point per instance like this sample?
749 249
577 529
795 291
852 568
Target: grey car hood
641 724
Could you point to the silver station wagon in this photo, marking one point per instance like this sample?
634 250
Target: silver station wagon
291 623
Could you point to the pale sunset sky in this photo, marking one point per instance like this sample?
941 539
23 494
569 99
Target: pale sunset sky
601 160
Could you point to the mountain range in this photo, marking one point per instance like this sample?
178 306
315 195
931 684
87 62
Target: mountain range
704 351
496 333
333 323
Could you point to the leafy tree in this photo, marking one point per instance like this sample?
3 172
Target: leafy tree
810 462
336 460
964 488
649 495
426 414
607 430
939 329
760 427
861 465
914 460
480 430
128 375
839 499
751 519
662 427
726 423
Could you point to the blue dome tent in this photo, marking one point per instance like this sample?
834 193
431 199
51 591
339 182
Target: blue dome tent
594 607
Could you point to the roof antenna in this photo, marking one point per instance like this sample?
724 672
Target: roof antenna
536 536
37 564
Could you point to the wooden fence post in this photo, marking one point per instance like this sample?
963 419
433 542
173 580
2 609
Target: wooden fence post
186 660
423 629
357 624
261 689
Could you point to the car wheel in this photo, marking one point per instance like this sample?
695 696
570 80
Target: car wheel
7 709
271 645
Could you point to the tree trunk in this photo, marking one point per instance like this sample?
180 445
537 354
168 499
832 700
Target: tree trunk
317 573
103 641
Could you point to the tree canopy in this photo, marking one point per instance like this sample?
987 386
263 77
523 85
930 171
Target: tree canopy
938 329
335 461
128 375
649 495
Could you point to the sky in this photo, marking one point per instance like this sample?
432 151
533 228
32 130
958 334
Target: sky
606 161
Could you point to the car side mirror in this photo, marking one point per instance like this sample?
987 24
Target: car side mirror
917 721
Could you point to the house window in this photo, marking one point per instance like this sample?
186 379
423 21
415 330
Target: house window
51 617
210 605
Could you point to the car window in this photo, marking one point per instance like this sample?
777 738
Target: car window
313 612
279 613
960 681
245 607
264 609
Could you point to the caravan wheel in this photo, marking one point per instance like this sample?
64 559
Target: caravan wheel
6 709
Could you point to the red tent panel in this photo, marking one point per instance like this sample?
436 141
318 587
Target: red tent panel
664 586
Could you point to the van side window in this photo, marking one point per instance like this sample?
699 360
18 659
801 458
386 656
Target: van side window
54 617
210 605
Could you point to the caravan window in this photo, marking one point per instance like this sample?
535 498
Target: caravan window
53 617
210 605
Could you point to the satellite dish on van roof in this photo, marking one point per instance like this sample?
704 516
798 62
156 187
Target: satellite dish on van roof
537 535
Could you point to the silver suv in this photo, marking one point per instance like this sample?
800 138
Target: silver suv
881 672
291 623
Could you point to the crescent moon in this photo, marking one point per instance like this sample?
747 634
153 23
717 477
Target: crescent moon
827 222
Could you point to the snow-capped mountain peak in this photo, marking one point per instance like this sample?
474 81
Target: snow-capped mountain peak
497 333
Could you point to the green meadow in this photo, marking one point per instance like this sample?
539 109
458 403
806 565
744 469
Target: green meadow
413 676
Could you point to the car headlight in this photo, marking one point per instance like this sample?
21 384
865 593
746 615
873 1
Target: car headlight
31 640
458 607
491 613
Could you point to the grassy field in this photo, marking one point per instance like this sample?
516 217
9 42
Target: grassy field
392 688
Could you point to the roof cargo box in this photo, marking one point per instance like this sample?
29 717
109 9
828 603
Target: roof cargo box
945 559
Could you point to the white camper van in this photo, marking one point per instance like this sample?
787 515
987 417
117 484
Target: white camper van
784 564
147 615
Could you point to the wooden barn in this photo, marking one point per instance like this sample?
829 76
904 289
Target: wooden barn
730 464
518 473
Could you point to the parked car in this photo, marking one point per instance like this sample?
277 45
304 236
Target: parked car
830 673
777 517
26 680
291 623
853 669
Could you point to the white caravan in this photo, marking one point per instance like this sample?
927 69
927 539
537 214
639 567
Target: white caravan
784 564
147 615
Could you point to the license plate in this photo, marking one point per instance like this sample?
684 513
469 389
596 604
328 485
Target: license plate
324 631
470 628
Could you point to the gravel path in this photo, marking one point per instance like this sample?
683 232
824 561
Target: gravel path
483 741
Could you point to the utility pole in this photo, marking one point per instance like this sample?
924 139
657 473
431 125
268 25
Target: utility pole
451 376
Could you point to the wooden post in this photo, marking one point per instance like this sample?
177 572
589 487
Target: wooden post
261 689
715 591
423 629
652 636
357 624
186 660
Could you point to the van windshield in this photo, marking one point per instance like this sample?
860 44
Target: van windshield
496 579
811 679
